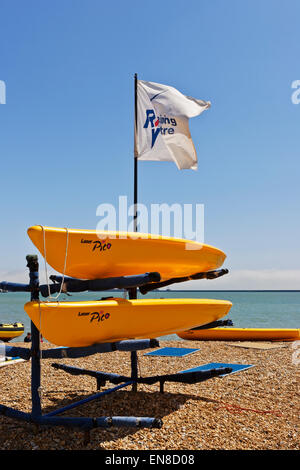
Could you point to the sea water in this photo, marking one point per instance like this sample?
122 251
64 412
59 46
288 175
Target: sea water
250 309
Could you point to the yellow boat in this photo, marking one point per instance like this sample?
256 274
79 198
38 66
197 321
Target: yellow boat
242 334
87 254
10 331
85 323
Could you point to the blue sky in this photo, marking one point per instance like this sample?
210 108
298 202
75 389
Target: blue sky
66 130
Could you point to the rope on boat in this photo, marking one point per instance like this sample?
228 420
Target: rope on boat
45 262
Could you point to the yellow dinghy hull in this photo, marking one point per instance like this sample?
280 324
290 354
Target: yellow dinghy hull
10 331
86 254
77 324
242 334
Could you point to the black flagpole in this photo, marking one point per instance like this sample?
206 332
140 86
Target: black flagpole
133 291
135 155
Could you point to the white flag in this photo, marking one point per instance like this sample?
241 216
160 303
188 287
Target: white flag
163 124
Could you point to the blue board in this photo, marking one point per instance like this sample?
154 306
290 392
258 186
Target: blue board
174 352
215 365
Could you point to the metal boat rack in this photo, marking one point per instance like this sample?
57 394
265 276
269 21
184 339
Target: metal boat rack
120 381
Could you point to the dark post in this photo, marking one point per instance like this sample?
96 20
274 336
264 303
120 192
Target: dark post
134 369
133 291
135 156
33 265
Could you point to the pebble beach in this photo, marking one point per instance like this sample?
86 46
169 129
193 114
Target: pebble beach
255 409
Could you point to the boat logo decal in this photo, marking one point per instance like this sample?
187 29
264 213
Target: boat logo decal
98 245
97 316
101 246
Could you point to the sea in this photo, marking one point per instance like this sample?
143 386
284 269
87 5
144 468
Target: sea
250 309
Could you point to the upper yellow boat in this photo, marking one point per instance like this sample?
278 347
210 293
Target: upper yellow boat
88 254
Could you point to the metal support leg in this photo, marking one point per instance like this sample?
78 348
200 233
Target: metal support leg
134 370
33 265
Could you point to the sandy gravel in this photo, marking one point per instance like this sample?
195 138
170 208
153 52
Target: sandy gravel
254 409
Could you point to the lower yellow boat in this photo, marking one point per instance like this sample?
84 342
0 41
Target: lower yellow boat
242 334
77 324
10 331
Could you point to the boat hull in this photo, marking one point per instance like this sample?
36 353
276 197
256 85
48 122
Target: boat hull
77 324
86 254
242 334
11 331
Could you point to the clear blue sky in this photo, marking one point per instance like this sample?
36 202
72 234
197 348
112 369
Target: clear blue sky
66 130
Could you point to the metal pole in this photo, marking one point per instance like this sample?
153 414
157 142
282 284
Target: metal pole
134 369
86 400
33 265
135 155
133 291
